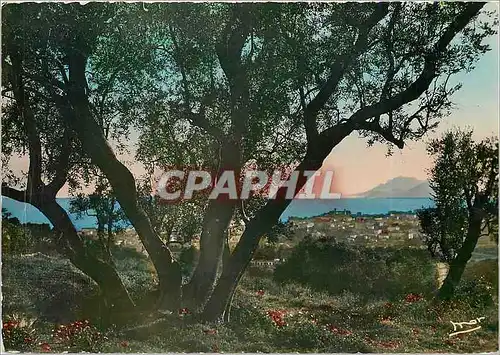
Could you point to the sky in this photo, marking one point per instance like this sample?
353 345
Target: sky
358 168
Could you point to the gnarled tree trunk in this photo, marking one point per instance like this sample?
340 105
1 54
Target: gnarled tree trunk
218 306
215 224
43 196
321 144
457 266
122 181
220 212
114 292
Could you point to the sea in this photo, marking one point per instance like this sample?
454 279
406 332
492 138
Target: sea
298 208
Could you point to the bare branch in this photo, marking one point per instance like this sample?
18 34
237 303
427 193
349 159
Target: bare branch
338 69
229 51
18 195
32 134
386 90
197 119
374 126
62 166
419 86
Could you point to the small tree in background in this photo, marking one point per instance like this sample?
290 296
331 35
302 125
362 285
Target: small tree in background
465 183
281 230
102 205
182 218
15 239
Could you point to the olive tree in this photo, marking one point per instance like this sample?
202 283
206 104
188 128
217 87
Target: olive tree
464 179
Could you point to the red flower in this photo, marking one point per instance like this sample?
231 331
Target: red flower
412 297
45 347
260 293
339 331
277 317
10 324
184 311
124 344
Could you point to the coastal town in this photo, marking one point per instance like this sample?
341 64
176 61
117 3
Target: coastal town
394 228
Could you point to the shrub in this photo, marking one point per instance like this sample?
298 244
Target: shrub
15 238
267 251
476 293
374 273
27 238
486 269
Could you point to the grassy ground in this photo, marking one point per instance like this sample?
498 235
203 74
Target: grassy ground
42 293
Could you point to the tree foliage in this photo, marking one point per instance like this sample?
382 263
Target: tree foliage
464 171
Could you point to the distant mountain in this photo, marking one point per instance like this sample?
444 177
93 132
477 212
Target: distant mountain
399 187
421 190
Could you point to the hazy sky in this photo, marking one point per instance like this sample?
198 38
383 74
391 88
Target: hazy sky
358 169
